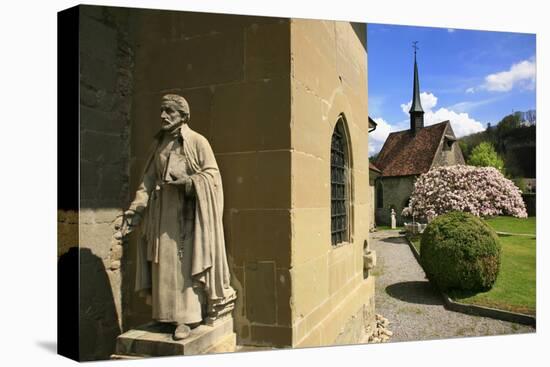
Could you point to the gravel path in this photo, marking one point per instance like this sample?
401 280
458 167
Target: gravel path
414 309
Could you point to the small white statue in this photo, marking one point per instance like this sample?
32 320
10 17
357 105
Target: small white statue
393 220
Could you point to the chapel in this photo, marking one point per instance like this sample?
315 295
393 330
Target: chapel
407 154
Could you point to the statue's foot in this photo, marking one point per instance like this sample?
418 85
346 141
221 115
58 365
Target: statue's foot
182 331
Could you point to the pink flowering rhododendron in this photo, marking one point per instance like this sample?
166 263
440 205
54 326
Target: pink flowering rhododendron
482 191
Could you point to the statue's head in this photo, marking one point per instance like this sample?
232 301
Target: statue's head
174 111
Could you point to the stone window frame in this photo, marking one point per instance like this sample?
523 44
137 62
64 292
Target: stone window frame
341 128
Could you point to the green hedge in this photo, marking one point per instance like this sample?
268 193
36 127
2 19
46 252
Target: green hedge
460 251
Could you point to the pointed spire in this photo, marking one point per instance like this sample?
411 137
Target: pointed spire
416 112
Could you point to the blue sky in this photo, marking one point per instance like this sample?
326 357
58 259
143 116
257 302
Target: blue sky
468 77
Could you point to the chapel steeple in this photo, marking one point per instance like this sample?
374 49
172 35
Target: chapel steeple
416 111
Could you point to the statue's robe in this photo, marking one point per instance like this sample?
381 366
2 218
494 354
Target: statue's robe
181 258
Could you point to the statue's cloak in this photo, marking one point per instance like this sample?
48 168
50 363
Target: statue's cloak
209 261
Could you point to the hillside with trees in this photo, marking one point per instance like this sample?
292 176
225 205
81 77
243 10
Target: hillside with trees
513 140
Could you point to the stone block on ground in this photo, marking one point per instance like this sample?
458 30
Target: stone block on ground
155 340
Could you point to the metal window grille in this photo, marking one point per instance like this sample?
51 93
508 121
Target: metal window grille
338 185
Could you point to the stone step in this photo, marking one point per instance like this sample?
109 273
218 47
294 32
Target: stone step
155 340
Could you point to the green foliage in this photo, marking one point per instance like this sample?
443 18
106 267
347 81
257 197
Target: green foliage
509 123
516 145
515 289
484 155
520 183
460 252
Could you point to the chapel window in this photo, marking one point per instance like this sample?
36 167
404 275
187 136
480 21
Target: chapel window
339 184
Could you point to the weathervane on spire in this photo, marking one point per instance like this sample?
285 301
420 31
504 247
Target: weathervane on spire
415 47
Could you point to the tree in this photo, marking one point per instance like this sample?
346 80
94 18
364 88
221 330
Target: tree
507 125
481 191
484 155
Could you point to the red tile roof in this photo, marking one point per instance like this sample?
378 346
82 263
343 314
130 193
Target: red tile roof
374 168
405 154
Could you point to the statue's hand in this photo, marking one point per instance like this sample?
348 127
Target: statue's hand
186 183
130 221
179 181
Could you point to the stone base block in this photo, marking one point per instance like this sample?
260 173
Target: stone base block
155 340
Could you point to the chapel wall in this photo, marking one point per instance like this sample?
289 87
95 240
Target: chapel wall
329 78
446 156
396 191
235 73
373 176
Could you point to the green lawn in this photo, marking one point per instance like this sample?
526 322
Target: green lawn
513 225
416 243
515 288
386 228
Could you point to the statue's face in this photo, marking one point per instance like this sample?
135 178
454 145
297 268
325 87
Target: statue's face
169 117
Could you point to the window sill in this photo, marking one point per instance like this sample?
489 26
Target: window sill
341 244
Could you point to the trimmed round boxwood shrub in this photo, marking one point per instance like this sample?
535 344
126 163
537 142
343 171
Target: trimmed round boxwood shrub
460 251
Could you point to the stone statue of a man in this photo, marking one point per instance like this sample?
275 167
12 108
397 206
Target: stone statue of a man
181 264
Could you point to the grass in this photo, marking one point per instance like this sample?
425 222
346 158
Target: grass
513 225
386 228
515 288
416 243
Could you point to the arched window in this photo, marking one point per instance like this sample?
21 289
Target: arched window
379 195
340 185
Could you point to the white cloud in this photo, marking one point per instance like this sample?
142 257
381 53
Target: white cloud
467 106
451 30
383 129
520 75
428 101
379 136
461 122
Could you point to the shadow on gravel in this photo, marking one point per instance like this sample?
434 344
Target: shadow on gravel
419 292
398 240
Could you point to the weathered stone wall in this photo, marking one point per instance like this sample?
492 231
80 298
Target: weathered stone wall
396 191
329 79
106 65
445 155
373 176
235 73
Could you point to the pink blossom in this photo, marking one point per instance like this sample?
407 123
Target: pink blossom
482 191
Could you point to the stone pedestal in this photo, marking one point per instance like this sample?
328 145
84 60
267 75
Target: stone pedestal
155 340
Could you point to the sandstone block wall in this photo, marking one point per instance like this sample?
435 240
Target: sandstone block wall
267 93
328 80
235 73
